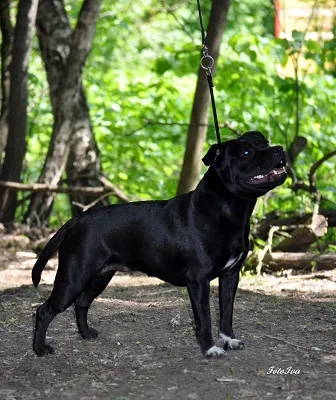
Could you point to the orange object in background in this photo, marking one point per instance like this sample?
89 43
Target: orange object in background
277 22
310 16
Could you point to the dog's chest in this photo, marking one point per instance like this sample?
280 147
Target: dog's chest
233 260
231 251
229 262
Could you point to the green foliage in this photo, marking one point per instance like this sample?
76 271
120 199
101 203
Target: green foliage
141 75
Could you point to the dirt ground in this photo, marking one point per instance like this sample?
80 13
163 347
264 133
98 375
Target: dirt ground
147 350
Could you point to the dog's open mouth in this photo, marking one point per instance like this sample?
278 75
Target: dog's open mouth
271 176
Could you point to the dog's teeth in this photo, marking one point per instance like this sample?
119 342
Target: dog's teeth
258 177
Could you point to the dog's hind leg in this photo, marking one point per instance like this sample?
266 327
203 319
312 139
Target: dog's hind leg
66 290
84 301
44 315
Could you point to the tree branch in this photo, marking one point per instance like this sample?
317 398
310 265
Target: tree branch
225 125
317 165
311 188
88 191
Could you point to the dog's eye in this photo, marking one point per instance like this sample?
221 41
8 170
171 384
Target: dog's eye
246 153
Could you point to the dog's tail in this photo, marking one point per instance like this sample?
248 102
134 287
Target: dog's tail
50 249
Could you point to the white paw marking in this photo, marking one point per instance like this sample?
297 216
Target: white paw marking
215 351
233 344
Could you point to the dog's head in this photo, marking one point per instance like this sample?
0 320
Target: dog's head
248 166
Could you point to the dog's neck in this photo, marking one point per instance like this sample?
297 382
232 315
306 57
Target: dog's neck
212 194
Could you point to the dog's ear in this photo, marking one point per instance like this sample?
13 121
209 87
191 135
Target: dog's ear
211 155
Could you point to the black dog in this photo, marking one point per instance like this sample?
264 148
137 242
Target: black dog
186 241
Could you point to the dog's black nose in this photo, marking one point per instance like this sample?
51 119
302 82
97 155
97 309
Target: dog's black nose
277 149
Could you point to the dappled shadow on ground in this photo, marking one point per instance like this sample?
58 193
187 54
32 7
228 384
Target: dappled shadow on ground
146 349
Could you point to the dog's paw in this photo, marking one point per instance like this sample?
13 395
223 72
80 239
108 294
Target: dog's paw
231 344
43 350
215 352
89 334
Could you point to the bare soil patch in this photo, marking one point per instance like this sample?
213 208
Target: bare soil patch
147 350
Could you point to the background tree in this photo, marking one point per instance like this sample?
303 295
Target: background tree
68 93
17 113
6 52
197 131
83 167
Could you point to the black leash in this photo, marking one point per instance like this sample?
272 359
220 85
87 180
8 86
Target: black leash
207 67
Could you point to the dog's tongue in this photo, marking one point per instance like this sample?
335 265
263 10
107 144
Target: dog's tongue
269 177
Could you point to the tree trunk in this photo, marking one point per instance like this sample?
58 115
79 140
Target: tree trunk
83 167
55 35
199 116
304 236
68 95
299 261
262 229
6 54
17 114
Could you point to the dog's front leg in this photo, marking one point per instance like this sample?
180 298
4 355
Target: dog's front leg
199 293
228 283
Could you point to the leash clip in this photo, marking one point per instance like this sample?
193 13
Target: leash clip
207 62
210 61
